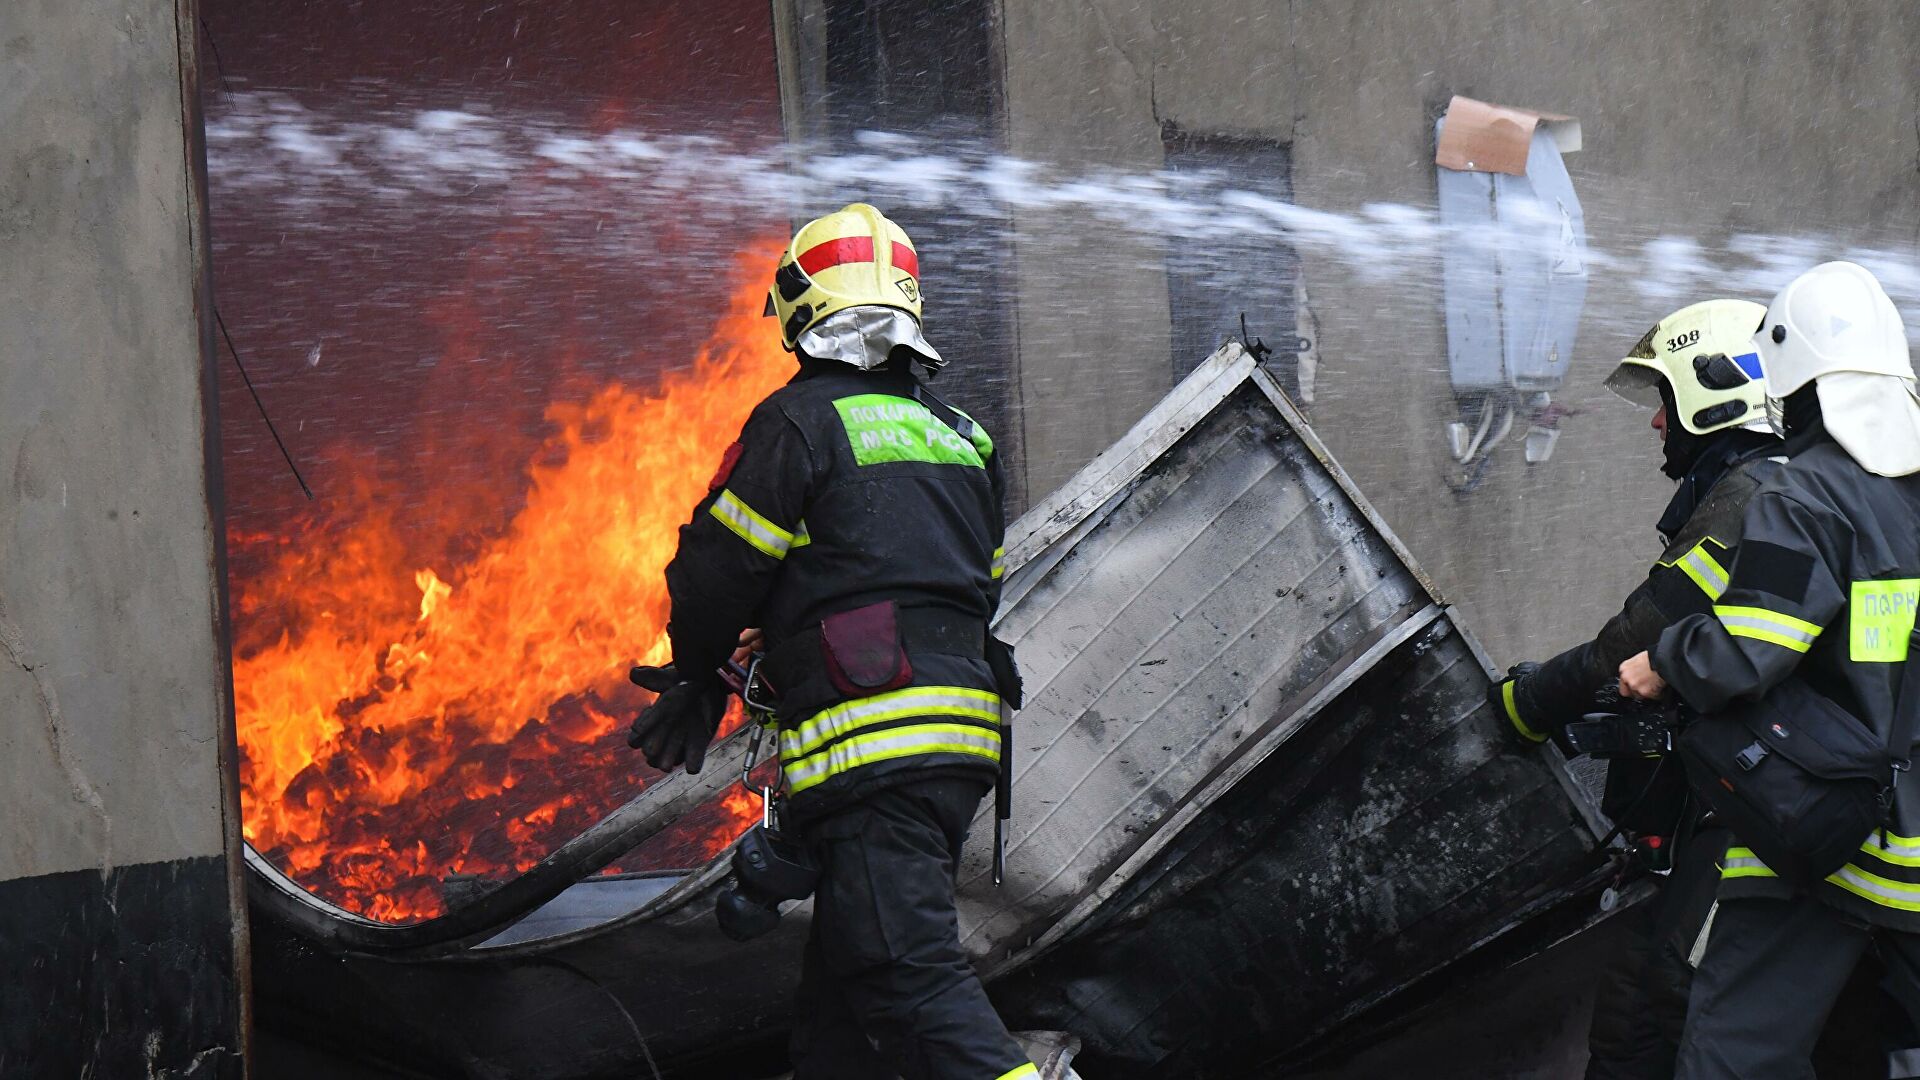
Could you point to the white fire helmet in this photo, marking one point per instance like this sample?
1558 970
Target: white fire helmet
1835 326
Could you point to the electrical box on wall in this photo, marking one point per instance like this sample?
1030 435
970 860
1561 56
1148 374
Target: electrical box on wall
1514 272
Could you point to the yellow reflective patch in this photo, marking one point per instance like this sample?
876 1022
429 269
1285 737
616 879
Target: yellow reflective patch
1881 620
882 428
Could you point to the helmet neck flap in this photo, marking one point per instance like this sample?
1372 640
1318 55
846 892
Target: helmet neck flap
1834 350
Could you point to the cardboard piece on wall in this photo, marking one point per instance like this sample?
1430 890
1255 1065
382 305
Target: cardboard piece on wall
1476 136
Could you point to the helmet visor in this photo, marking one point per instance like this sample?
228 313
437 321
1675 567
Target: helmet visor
1639 381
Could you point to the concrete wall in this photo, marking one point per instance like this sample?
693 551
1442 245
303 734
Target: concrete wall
1706 118
120 914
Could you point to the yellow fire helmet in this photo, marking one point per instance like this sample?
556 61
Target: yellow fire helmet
1705 352
852 257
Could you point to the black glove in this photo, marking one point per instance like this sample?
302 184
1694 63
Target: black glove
1507 707
678 727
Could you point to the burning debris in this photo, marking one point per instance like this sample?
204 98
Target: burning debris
1233 671
401 723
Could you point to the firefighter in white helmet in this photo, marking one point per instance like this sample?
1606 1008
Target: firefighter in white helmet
1805 717
858 523
1697 369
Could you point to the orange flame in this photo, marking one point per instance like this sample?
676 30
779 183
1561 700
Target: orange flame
410 722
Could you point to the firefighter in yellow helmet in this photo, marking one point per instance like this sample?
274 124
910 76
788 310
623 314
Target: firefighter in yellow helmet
1698 370
858 523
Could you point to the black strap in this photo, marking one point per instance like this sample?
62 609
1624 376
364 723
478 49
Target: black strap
924 631
942 411
1906 703
1901 728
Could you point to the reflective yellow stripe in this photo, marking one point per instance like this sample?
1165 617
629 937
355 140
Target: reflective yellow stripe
889 744
1898 850
1705 570
999 562
1741 862
1020 1073
748 524
1768 636
1785 621
1513 713
851 716
800 535
1901 895
1769 626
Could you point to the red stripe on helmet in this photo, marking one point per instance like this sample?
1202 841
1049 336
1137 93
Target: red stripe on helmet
854 249
834 252
905 259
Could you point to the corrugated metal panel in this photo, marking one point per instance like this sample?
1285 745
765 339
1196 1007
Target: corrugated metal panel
1201 602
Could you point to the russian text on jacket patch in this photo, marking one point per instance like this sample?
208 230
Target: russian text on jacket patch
882 428
1881 619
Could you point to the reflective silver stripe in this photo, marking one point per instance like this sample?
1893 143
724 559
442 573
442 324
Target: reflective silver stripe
749 525
1903 1062
1740 862
1702 568
1769 625
1763 625
849 717
1892 894
890 744
1900 847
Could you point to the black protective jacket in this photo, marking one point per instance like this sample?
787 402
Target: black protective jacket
1817 614
1687 578
844 492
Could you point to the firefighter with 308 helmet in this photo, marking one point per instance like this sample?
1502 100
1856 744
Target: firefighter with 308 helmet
858 523
1697 368
1798 671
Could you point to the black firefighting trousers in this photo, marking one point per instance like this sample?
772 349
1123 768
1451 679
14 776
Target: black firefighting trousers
1772 971
1640 1005
885 989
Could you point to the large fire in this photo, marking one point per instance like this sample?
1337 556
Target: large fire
401 723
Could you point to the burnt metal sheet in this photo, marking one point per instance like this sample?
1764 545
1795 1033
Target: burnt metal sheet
1391 835
1216 585
1230 660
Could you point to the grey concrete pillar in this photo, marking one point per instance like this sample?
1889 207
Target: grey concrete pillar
121 912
